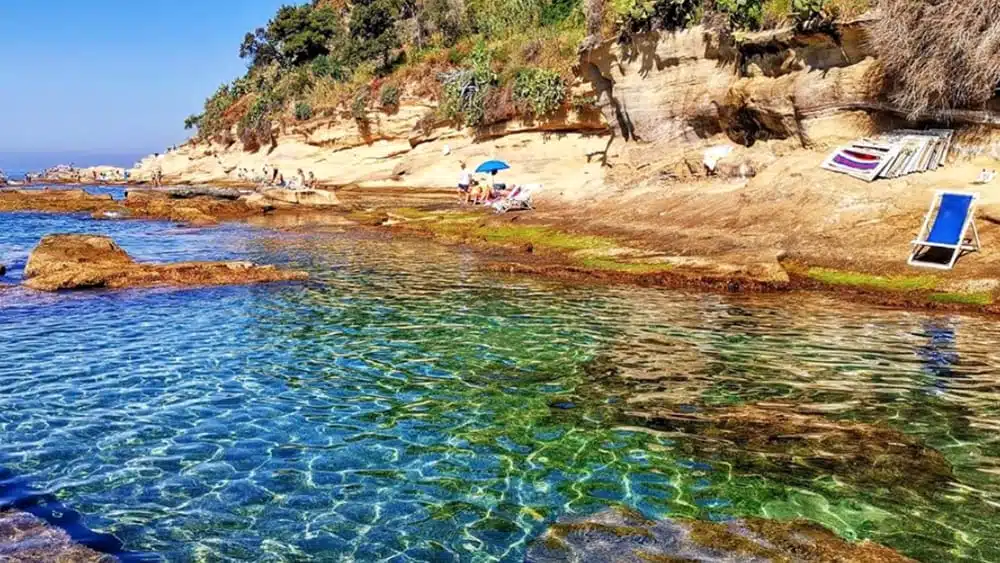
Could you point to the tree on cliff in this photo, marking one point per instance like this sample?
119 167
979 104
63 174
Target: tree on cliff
296 35
373 33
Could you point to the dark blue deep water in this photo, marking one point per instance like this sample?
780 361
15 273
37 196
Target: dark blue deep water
404 405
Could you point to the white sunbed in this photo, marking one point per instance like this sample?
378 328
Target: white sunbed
519 198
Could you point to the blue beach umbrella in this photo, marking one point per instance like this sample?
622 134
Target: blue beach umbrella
492 166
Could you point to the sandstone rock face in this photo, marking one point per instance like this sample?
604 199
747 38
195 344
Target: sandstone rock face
619 536
27 539
664 91
89 261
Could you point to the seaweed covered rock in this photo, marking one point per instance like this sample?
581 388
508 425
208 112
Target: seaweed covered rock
25 538
773 437
88 261
622 536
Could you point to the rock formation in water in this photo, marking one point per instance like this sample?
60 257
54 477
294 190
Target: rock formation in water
771 439
62 201
89 261
620 536
194 206
27 539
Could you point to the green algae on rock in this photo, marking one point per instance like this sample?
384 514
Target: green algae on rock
772 437
624 536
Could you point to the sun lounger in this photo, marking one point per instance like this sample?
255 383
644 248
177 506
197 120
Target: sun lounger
519 198
939 245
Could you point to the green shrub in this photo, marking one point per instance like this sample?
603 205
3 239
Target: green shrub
326 66
254 128
303 111
743 14
808 10
465 90
359 105
192 121
500 18
634 16
443 18
539 92
555 12
389 96
583 102
293 84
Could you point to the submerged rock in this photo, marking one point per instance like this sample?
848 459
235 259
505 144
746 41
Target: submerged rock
772 438
86 261
27 539
621 536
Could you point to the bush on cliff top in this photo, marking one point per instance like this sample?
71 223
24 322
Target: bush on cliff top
938 55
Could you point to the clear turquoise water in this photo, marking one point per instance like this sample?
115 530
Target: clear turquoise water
405 406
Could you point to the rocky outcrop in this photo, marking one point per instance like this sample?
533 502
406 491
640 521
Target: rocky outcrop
90 261
775 439
63 174
27 539
3 269
310 198
667 91
621 536
65 201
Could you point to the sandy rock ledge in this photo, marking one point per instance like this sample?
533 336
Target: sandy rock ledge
67 261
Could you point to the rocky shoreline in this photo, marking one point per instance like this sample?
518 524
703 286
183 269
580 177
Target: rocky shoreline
539 243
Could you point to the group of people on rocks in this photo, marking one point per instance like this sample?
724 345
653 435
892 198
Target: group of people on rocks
472 191
272 176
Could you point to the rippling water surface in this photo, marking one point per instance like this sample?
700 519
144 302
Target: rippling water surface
405 406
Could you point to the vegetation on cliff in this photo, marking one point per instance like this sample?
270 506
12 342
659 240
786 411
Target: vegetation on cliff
486 62
938 55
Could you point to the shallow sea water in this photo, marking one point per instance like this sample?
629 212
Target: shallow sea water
403 405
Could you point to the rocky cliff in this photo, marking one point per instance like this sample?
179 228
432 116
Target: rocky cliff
659 99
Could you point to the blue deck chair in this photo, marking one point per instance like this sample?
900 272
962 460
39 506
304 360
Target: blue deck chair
945 238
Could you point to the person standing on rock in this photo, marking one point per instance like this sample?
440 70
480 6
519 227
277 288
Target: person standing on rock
464 184
312 180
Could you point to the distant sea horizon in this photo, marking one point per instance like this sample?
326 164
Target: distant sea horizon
16 164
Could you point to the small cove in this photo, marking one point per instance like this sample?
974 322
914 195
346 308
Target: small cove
405 405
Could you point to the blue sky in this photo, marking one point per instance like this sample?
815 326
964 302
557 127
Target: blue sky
114 76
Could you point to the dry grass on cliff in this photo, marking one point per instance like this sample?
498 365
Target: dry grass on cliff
938 55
